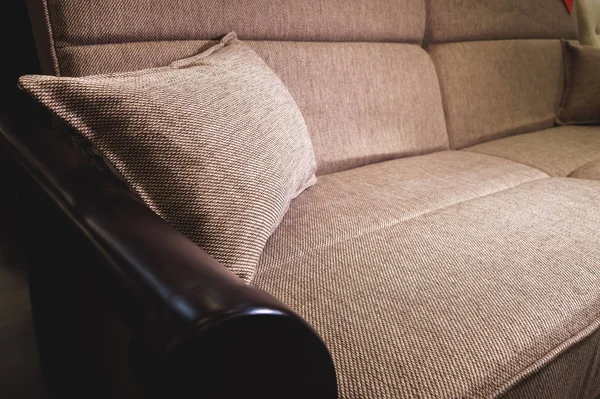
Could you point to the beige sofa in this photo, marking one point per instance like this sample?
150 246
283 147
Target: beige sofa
451 247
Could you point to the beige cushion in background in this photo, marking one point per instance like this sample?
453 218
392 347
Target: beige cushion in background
495 89
214 144
581 101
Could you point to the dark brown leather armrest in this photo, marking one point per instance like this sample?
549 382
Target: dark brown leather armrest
199 331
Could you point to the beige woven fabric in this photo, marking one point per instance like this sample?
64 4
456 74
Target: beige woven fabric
76 22
558 151
581 101
214 144
347 92
363 102
495 89
343 205
459 20
464 301
589 171
557 380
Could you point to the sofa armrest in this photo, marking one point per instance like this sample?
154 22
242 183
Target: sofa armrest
197 328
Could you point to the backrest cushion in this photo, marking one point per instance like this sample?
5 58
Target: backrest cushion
581 101
499 64
494 89
214 144
367 90
466 20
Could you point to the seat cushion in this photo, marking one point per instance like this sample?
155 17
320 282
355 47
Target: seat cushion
589 171
466 300
344 204
557 151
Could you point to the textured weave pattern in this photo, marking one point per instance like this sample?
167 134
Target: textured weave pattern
558 151
365 199
557 379
590 171
464 301
363 102
463 20
498 88
347 92
214 144
116 21
581 101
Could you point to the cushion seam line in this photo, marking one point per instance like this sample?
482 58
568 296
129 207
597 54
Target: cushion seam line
549 356
402 220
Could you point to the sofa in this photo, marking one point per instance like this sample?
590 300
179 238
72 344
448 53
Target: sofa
450 247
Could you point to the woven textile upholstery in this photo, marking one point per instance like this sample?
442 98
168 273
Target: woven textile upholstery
468 300
581 100
343 61
81 22
494 89
557 151
589 171
214 144
347 92
368 198
464 20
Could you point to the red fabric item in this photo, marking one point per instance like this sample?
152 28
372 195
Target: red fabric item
569 4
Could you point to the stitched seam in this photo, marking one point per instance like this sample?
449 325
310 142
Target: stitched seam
549 356
401 220
65 45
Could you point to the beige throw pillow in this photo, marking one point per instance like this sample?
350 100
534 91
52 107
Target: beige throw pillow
581 101
214 144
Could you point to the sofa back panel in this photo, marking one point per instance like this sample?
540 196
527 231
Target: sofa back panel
115 21
362 102
366 95
461 20
493 89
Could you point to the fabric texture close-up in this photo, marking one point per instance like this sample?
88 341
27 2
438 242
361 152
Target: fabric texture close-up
214 144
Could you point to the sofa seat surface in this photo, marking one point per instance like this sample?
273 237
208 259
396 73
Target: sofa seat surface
558 151
589 171
462 277
359 200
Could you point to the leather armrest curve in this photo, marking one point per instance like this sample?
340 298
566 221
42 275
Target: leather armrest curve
201 326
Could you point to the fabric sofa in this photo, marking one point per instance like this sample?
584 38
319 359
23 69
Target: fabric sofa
449 249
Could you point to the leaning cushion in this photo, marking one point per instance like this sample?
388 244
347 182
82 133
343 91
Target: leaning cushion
581 100
214 144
